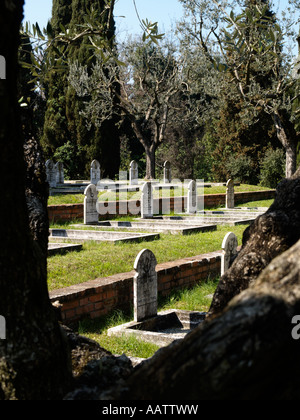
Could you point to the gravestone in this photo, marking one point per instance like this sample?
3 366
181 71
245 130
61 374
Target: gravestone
2 328
90 205
60 177
95 172
229 247
2 67
51 173
192 198
230 194
133 173
167 173
145 286
147 201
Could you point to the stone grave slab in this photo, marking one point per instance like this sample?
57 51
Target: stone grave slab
172 227
145 286
167 172
192 198
162 329
90 214
159 328
229 247
202 220
232 217
67 235
133 173
95 172
147 201
230 194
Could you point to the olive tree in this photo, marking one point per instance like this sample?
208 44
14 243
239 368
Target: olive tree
244 41
150 78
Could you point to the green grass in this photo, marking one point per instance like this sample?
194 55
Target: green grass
104 259
196 299
97 330
57 200
261 203
78 198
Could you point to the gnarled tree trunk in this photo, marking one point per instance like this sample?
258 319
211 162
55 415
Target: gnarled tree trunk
289 141
34 359
150 161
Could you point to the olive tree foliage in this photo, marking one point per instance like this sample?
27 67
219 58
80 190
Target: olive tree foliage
41 40
150 76
249 47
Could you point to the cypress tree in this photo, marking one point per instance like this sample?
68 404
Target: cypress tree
63 123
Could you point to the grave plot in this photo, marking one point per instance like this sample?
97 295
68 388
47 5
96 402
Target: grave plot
159 226
67 235
160 328
218 217
229 221
61 249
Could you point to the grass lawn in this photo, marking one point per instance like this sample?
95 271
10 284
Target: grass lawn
262 203
196 299
78 198
104 259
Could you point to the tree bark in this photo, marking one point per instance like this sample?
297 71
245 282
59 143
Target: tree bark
270 235
291 160
34 359
289 144
150 162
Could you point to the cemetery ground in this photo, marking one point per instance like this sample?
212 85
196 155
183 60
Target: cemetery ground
98 260
78 198
196 299
103 260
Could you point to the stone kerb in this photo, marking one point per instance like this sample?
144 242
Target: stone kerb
167 173
229 248
230 194
90 205
145 286
133 173
95 172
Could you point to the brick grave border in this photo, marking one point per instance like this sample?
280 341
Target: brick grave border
66 212
97 298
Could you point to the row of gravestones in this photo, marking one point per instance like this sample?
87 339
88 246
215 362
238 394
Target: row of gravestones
91 197
133 172
55 173
147 199
145 279
55 176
